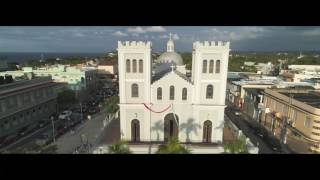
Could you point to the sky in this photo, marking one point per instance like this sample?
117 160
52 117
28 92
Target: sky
104 38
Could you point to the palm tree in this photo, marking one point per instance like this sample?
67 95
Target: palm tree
237 146
173 147
119 148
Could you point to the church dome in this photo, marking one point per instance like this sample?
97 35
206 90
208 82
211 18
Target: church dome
173 57
170 56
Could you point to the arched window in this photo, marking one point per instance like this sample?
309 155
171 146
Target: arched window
128 65
207 131
171 92
204 66
134 90
184 94
135 130
211 64
134 66
218 66
140 66
159 93
209 92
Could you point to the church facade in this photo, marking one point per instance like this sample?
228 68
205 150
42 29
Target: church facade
158 101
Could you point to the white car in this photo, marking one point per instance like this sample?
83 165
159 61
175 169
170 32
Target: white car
237 113
65 114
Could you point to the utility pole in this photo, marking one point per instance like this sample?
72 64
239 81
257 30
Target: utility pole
52 121
81 111
286 121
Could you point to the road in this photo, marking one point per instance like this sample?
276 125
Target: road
249 131
90 129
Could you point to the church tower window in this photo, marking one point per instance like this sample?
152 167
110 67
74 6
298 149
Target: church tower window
134 90
218 66
204 66
128 65
211 64
209 94
134 66
140 66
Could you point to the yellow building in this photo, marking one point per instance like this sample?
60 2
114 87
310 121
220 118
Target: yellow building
293 116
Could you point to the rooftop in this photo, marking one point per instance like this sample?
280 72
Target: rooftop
23 84
310 98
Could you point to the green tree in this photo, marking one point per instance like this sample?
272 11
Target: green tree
173 147
112 104
66 97
119 148
187 59
237 146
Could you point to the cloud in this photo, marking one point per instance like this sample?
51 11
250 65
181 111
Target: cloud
136 30
120 34
175 37
312 32
236 33
155 29
141 30
165 36
78 34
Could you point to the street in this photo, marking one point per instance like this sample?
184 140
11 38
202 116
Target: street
249 130
90 130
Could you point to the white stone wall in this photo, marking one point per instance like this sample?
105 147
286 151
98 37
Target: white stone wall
210 51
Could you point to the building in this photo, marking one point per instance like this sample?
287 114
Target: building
236 89
81 80
159 102
252 103
305 68
24 103
293 116
264 68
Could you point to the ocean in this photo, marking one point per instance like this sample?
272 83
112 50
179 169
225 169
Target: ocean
20 57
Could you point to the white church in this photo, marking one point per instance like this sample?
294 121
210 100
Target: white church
158 101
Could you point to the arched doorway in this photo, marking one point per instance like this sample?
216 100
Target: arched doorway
171 127
135 130
207 131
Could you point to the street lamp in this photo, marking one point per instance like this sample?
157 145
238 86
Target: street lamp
52 121
81 112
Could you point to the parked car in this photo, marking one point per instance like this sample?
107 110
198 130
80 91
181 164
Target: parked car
41 123
65 114
44 138
237 113
261 133
93 110
23 131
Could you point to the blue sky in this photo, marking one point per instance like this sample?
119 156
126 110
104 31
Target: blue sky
104 38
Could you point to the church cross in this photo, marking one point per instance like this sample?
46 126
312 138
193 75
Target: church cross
172 66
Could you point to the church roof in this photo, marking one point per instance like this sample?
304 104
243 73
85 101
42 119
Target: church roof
162 74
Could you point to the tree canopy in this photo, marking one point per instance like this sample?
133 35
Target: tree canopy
120 147
173 147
